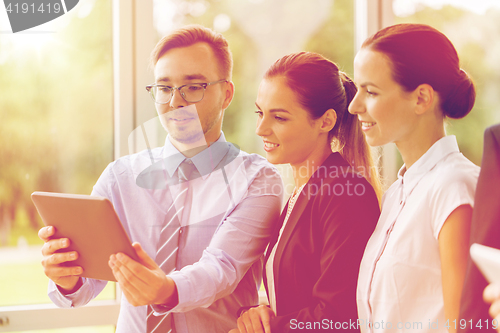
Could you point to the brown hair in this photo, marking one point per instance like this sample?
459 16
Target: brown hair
320 86
420 54
192 34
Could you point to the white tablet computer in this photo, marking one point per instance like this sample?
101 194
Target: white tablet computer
487 260
92 226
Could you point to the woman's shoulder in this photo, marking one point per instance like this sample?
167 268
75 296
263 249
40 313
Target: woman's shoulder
451 183
455 168
336 169
338 186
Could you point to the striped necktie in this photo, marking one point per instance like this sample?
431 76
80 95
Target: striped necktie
166 255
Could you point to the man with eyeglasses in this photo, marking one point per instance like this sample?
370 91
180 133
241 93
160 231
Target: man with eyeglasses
200 210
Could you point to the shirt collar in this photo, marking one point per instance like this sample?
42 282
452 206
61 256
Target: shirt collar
438 151
205 161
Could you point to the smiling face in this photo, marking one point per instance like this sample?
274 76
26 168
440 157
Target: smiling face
384 109
192 64
288 132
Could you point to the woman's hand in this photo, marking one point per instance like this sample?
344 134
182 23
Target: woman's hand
256 320
491 295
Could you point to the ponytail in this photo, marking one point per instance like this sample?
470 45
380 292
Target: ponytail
351 142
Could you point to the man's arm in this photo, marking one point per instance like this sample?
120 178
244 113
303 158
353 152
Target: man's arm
239 242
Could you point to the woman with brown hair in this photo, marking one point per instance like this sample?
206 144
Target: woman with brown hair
413 269
312 261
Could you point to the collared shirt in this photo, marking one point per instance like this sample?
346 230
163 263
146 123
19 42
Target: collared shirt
270 262
228 230
399 285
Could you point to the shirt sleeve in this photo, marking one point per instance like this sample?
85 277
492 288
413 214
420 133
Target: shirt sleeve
452 190
239 243
88 291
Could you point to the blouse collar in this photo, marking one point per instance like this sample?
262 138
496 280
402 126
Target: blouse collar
437 152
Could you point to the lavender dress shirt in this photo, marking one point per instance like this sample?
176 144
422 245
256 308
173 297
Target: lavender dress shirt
219 260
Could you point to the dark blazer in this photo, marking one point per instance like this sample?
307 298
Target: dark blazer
485 229
317 260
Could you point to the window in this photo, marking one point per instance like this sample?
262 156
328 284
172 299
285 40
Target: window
474 29
57 135
71 98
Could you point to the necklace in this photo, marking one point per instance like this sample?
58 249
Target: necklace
293 199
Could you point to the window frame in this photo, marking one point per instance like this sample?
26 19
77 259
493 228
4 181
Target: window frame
370 17
131 18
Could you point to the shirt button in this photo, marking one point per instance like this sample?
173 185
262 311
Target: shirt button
180 231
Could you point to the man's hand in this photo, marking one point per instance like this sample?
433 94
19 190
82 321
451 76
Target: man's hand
66 277
256 320
143 282
491 294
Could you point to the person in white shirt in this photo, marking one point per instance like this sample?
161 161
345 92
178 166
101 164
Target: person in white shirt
413 267
216 236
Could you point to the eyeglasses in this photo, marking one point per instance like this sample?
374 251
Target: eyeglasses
192 93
